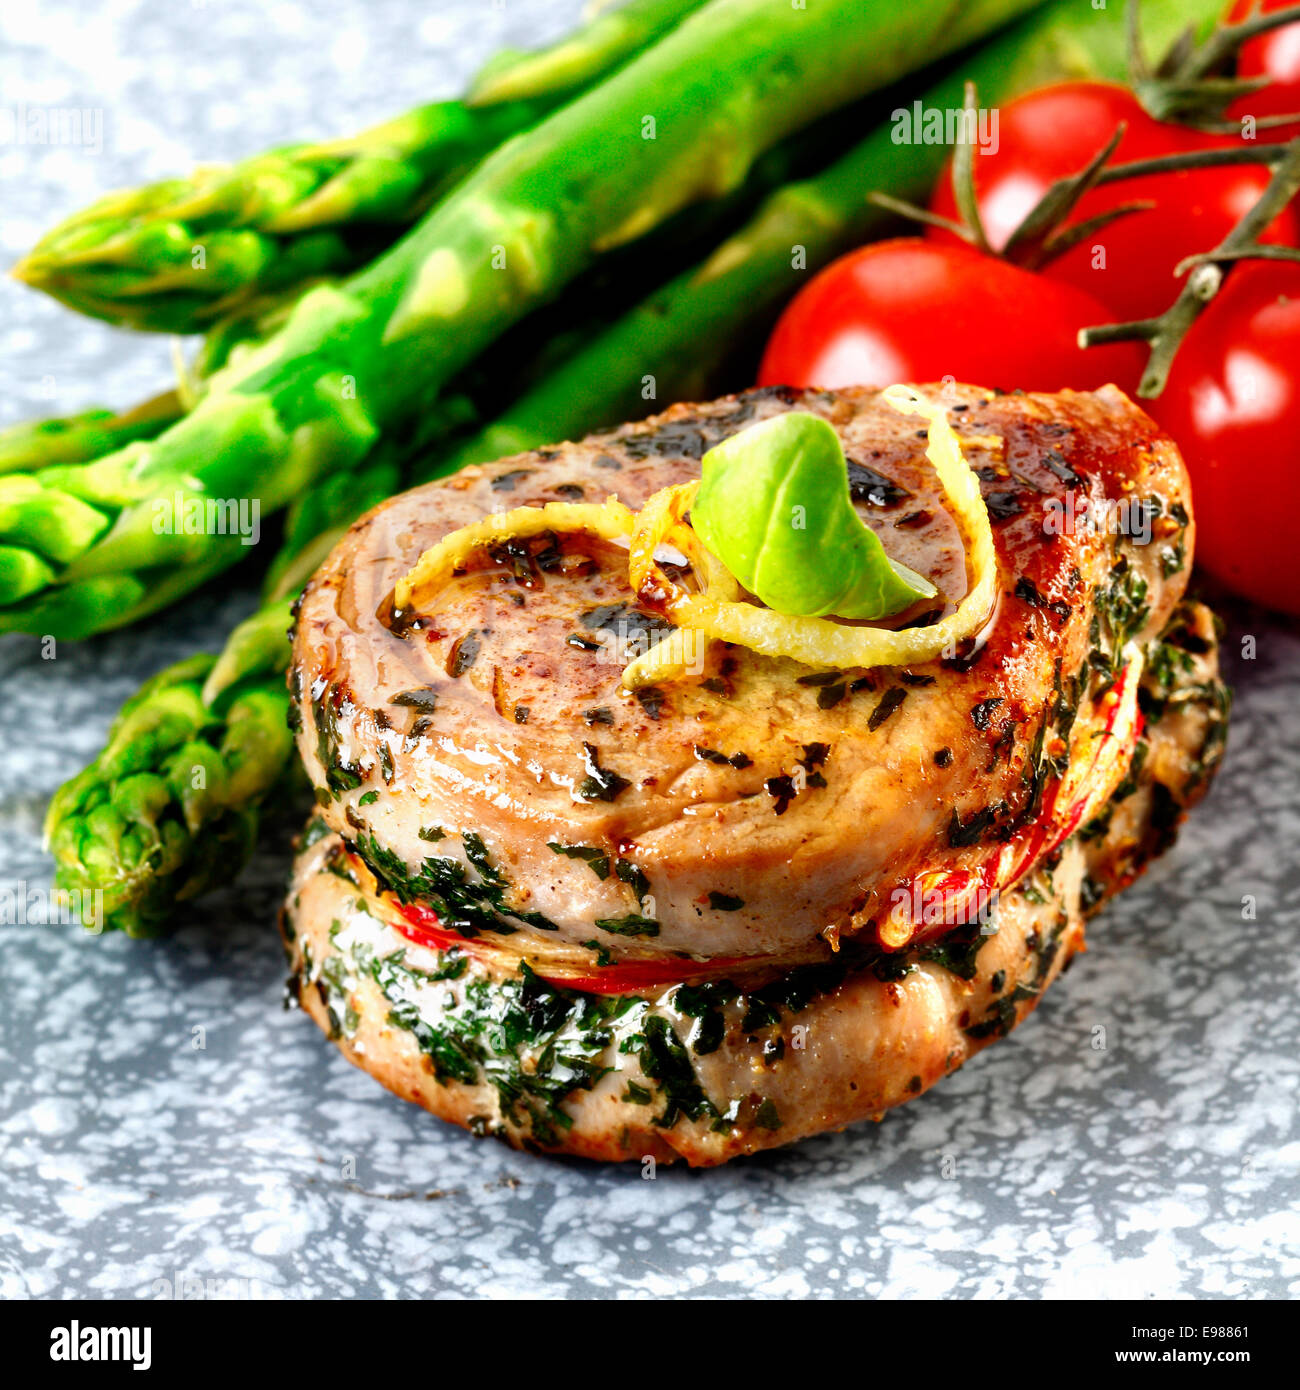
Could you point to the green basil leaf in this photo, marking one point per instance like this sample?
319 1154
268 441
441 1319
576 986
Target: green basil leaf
774 507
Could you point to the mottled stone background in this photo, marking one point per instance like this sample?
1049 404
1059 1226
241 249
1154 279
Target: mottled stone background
1167 1164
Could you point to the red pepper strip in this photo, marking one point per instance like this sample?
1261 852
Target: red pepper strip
1005 866
421 925
624 979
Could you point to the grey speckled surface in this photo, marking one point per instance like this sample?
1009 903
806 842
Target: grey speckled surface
1166 1164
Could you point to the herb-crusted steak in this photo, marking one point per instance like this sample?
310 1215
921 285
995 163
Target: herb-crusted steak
707 1071
486 762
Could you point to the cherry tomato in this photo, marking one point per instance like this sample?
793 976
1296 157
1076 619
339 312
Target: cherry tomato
1231 404
1052 133
913 310
1275 55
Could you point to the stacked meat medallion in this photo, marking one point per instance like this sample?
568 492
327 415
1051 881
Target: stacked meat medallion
763 899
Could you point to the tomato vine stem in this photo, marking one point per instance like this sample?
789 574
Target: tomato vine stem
1041 237
1188 85
1165 332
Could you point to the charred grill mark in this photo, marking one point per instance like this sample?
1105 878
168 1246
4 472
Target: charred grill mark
963 833
632 629
830 695
1028 592
651 699
674 439
749 401
416 733
983 712
782 791
969 654
812 757
1003 505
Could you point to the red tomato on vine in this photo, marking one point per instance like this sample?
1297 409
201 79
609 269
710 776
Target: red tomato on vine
1231 404
1053 133
914 310
1275 55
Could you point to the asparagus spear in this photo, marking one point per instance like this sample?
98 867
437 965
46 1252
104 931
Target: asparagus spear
101 602
685 335
36 444
579 59
32 445
254 318
176 256
361 357
83 608
690 338
172 764
171 808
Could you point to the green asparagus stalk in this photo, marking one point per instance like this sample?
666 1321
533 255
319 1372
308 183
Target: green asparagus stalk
599 174
78 441
699 333
252 320
95 605
173 764
102 602
33 445
178 255
172 806
30 446
579 59
685 335
36 444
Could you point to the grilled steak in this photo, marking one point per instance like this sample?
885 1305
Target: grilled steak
706 1073
763 900
486 763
